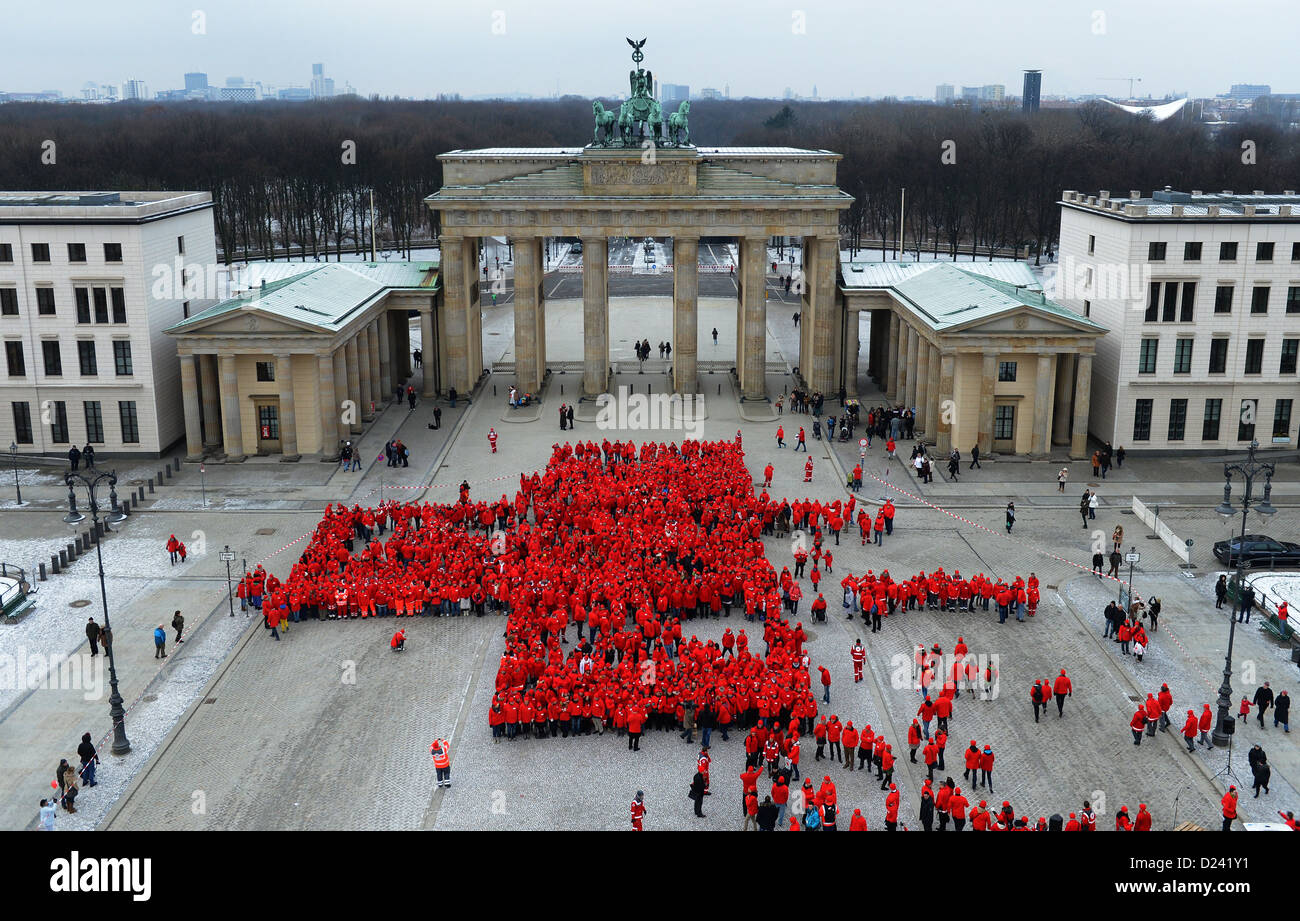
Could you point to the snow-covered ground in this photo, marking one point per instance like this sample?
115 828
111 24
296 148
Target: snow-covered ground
1272 588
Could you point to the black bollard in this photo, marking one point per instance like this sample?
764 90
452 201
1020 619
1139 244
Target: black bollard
42 577
54 564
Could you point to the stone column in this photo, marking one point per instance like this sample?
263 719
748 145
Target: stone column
686 335
288 417
1042 443
923 386
428 351
190 402
362 340
852 344
753 383
377 390
354 383
904 369
1061 405
211 397
932 403
328 408
232 424
460 284
1082 391
595 316
947 371
344 429
382 328
890 383
528 363
826 314
988 381
913 367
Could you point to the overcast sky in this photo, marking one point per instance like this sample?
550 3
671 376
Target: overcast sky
759 47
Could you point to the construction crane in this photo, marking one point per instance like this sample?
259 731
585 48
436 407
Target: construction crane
1131 81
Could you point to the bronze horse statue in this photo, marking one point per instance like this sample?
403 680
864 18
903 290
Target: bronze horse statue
606 121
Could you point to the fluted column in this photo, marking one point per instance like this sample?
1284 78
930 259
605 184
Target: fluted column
346 420
1043 378
947 371
595 316
459 269
1082 391
890 383
190 405
529 364
210 394
913 366
753 384
354 383
852 345
362 340
385 354
1061 418
686 290
826 312
904 368
288 417
327 407
988 381
377 389
922 403
933 406
232 425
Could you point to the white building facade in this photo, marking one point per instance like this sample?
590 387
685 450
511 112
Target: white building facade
1201 296
88 283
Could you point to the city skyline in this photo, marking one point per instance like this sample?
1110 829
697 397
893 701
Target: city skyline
1082 50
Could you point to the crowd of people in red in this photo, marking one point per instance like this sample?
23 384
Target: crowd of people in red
878 596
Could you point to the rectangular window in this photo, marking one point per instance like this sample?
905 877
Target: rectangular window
268 422
45 302
1092 243
22 423
9 302
1282 419
76 252
185 309
266 371
122 358
40 252
83 304
1218 356
1177 419
119 305
1290 349
53 360
1263 252
101 305
1087 308
1004 423
1142 420
1147 356
86 358
1293 299
1295 252
14 359
1183 356
1254 356
112 252
1156 252
1171 302
94 422
1191 252
1187 308
1246 422
130 428
180 245
1210 427
59 422
1227 252
7 254
1223 299
1153 302
1259 299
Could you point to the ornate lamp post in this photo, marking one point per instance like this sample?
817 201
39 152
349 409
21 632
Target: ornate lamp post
116 712
1249 470
13 455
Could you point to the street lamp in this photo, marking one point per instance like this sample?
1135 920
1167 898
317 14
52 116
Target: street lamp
116 712
13 455
1251 468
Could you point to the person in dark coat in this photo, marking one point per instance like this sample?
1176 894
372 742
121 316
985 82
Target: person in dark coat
767 815
88 456
74 457
570 417
697 793
1263 700
1282 711
1220 591
1263 773
92 634
89 758
927 808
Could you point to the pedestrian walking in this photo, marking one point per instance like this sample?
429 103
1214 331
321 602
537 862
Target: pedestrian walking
1011 516
1062 688
1061 478
1083 508
975 457
92 634
1115 560
178 624
1263 700
89 758
1220 591
638 810
160 642
1229 805
1098 560
440 750
697 794
74 457
1093 502
437 417
1282 711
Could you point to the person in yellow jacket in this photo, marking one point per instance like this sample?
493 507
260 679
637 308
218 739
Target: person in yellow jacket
441 752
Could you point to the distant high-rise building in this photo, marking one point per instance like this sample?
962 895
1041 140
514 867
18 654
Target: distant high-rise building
135 89
196 81
1033 87
1250 90
238 94
294 93
944 93
322 87
710 92
814 91
673 94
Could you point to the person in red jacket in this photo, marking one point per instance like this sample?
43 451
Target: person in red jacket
858 653
398 642
986 767
957 805
1137 723
914 738
1206 721
891 808
1062 688
931 757
858 822
850 739
638 804
1166 701
1074 824
1190 729
1153 714
1142 821
1122 822
1229 804
826 684
767 476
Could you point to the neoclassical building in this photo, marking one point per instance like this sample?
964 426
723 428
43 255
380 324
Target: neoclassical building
977 349
296 364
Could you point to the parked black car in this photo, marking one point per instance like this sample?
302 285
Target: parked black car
1257 550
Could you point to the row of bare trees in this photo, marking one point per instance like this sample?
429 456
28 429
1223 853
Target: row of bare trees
296 179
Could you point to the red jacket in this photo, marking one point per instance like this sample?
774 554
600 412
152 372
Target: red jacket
1062 685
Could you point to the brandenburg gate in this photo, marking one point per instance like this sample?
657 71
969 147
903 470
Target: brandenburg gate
641 177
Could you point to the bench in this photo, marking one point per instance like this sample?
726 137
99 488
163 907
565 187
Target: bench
15 612
1275 628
